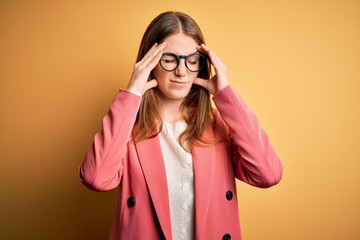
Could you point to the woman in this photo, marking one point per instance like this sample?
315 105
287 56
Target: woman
173 157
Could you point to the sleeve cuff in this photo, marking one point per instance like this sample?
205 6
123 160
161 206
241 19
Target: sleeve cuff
126 90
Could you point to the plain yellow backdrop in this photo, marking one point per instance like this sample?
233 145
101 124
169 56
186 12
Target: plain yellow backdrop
296 64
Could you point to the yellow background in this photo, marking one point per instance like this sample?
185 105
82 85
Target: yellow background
296 63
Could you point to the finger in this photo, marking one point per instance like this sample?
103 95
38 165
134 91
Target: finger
151 50
214 59
150 84
205 84
152 53
154 61
201 82
151 61
203 48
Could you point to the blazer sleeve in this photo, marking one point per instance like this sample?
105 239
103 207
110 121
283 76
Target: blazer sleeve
255 160
102 168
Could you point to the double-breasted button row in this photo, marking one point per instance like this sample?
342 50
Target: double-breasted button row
131 201
226 237
229 195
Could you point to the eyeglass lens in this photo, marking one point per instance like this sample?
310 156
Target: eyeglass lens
194 62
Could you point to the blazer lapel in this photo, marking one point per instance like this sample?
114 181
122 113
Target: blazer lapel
152 164
204 170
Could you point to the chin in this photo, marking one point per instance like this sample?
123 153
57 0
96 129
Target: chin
177 94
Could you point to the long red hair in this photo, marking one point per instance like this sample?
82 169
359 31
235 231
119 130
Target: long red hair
196 108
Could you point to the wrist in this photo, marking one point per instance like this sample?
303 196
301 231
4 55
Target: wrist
222 89
222 86
134 90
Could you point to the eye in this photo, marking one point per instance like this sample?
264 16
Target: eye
168 60
193 60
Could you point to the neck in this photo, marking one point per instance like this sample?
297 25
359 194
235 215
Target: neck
171 110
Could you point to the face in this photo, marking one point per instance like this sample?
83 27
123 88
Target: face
176 85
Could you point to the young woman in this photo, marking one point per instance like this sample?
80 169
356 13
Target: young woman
173 157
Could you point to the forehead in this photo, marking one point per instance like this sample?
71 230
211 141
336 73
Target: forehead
180 43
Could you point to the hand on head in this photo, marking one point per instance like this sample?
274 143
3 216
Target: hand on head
220 79
139 79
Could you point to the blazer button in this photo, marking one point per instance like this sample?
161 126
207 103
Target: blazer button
131 201
226 237
229 195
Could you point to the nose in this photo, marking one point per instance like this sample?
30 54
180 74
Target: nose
181 69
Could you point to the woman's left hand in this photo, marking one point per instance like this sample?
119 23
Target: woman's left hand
220 80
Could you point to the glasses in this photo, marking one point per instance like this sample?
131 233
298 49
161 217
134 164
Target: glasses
193 62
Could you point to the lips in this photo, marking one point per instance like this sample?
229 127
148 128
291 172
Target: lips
179 82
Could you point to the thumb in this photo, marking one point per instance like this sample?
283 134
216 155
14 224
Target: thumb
207 84
201 82
150 84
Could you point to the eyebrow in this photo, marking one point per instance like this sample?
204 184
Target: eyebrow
181 54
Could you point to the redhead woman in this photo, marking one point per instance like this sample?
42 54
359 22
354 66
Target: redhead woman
173 157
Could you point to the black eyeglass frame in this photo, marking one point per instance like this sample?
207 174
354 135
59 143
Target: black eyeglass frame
179 57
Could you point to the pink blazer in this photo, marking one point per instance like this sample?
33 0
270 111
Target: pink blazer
244 152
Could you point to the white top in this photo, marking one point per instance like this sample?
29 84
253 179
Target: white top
180 181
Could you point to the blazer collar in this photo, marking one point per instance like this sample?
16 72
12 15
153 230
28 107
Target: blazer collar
152 163
204 170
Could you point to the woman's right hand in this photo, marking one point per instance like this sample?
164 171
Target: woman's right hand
139 83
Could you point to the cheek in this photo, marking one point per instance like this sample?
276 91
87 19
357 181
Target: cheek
193 76
159 74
